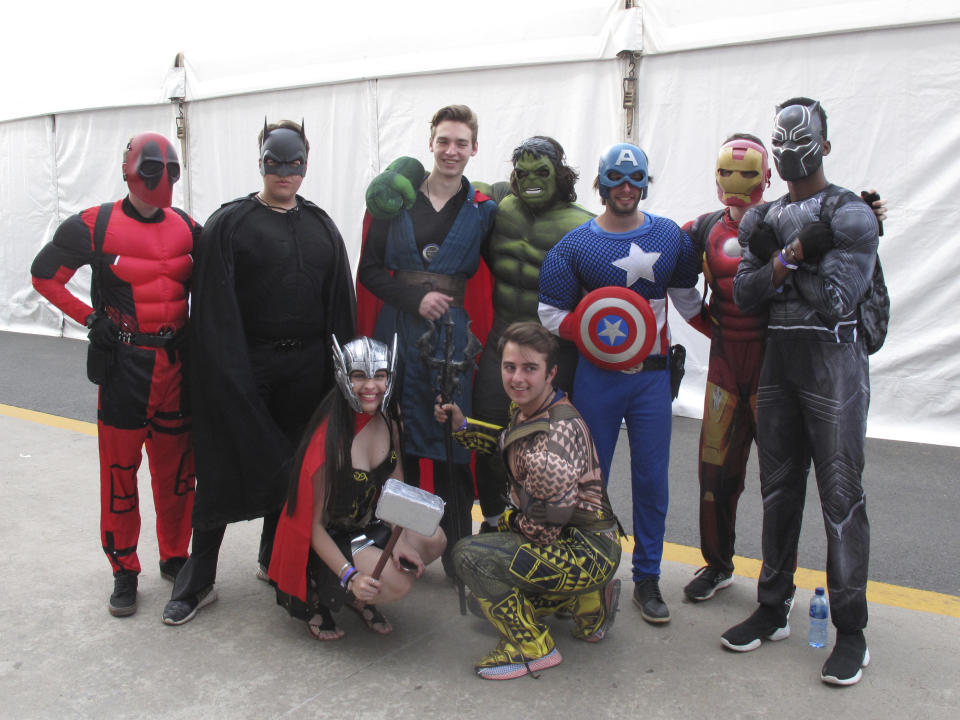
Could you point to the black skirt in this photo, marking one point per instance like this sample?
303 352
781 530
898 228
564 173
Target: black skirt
323 585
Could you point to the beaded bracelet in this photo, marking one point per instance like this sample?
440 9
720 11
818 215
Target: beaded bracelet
463 426
783 261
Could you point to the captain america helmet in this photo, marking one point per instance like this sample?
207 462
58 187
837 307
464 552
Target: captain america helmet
368 356
622 163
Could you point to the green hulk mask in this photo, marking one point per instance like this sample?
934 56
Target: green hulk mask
534 181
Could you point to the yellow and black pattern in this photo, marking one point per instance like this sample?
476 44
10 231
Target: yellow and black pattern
523 638
573 564
479 436
494 564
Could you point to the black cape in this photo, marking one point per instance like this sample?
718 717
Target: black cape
242 457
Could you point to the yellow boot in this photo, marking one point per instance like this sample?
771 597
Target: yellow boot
594 612
525 646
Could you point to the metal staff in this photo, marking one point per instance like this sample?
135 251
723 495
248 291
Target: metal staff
449 374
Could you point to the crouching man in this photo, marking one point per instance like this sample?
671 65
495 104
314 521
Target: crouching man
558 548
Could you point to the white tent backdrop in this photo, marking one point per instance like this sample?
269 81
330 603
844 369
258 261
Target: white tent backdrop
366 85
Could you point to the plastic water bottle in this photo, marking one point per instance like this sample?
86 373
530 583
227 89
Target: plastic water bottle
819 612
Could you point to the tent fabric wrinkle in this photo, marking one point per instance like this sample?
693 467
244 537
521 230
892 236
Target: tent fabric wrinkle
371 76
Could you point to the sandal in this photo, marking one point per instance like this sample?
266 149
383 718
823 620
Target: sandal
326 631
372 618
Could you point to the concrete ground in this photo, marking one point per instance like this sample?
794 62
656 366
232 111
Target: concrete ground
63 656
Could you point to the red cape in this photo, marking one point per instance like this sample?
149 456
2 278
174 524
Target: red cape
291 544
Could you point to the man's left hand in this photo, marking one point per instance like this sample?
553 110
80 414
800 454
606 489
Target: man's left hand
815 239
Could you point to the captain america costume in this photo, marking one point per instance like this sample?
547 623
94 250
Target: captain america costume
655 256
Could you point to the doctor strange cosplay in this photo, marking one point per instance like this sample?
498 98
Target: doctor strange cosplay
328 541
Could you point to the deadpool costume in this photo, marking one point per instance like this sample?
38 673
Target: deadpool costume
140 253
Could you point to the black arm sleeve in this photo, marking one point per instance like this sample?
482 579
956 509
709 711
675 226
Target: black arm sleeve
373 274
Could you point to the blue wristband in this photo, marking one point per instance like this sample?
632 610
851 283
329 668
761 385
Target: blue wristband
783 261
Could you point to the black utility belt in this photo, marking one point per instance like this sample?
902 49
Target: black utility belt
144 340
652 362
288 343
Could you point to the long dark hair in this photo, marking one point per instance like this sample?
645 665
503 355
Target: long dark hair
341 427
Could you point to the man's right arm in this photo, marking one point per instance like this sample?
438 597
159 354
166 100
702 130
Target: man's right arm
373 274
753 285
559 291
58 260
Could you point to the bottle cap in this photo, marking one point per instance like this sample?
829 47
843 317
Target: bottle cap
819 591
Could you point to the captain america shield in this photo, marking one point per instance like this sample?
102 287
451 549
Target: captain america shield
615 328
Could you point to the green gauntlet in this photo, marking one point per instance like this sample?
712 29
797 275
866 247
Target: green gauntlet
394 188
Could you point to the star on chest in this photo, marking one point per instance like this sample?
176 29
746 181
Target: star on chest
637 264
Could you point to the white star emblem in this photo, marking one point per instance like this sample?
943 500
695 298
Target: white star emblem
611 331
638 264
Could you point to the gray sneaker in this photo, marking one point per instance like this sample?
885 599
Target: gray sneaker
178 612
706 581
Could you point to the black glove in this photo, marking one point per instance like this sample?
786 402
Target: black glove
870 198
815 239
103 332
763 241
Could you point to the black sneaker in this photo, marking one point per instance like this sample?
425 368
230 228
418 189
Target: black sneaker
766 622
849 656
169 569
178 612
706 581
647 597
123 601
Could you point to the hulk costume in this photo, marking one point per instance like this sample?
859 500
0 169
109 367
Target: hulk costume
534 211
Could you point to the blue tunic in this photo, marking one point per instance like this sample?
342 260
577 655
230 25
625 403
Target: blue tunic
459 254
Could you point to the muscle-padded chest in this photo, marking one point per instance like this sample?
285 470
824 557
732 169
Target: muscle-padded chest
643 261
723 258
151 261
521 240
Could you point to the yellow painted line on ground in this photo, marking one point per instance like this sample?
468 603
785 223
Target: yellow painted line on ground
877 592
52 420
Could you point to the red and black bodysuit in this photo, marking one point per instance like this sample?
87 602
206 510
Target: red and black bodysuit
141 280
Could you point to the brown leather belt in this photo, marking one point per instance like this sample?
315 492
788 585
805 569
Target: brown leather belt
453 285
